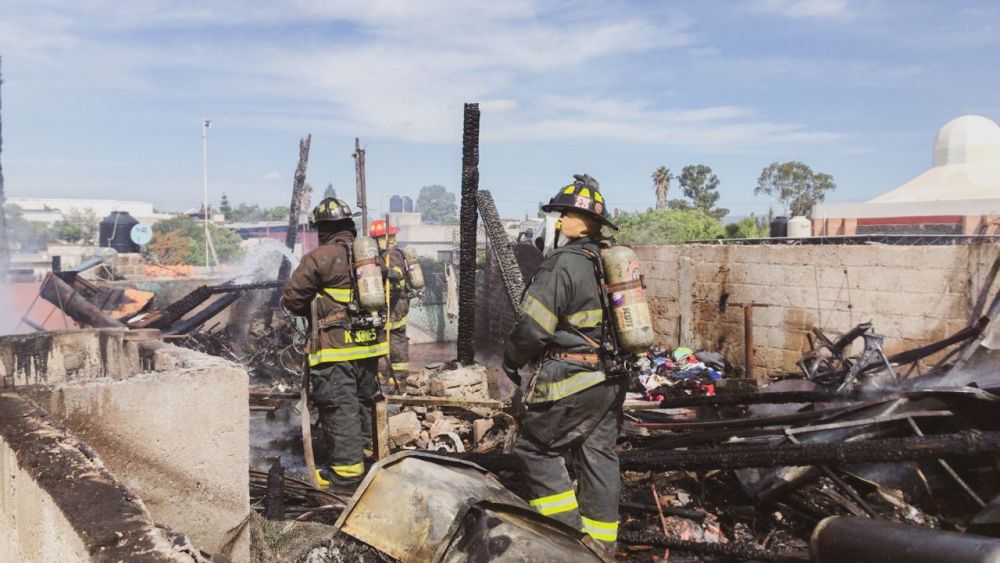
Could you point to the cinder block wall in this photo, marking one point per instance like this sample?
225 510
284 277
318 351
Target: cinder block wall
170 423
58 503
914 295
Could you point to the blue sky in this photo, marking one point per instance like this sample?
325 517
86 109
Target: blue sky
105 98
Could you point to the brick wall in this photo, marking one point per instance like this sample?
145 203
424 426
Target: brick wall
912 294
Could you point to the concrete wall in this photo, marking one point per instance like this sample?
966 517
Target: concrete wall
913 294
169 422
58 503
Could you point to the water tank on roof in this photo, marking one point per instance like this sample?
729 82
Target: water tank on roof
115 232
779 227
799 227
407 204
396 204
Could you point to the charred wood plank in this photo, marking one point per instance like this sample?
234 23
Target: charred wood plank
962 444
737 551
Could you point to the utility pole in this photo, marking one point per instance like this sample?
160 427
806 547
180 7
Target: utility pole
359 172
4 250
204 169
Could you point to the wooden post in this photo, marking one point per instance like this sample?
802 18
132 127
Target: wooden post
380 428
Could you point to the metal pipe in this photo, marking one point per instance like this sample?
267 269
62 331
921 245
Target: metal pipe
842 539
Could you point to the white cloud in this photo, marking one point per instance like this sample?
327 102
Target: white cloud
270 176
402 70
721 128
805 8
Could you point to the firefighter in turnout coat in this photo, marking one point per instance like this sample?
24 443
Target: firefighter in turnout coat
343 346
572 405
399 298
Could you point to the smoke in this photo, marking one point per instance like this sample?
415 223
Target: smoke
262 262
8 303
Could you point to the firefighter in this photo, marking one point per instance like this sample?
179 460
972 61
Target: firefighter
571 406
344 343
399 298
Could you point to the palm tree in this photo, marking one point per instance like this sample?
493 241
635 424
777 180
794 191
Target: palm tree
661 183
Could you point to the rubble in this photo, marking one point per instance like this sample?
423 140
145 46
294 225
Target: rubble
404 428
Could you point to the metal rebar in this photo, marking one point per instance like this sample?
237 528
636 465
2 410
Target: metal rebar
468 221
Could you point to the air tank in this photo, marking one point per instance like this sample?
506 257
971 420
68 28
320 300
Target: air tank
115 232
371 292
413 270
799 227
627 299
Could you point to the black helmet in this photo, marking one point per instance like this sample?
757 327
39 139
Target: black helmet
581 195
330 210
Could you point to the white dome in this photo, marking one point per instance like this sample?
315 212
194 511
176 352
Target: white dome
966 140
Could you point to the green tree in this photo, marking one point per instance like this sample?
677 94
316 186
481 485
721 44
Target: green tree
276 213
795 185
666 226
680 205
747 227
224 206
661 184
701 186
86 221
329 192
67 231
437 205
24 235
184 232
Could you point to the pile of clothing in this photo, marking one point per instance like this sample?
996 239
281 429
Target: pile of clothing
678 372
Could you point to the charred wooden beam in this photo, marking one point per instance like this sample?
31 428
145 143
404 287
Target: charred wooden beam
737 551
294 210
468 221
962 444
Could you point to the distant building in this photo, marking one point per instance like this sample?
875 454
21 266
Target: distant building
52 210
959 195
306 240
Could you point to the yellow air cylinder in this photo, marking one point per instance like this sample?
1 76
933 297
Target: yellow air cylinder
627 299
371 293
415 273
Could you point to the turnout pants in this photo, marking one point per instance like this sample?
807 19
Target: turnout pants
585 425
399 356
343 393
